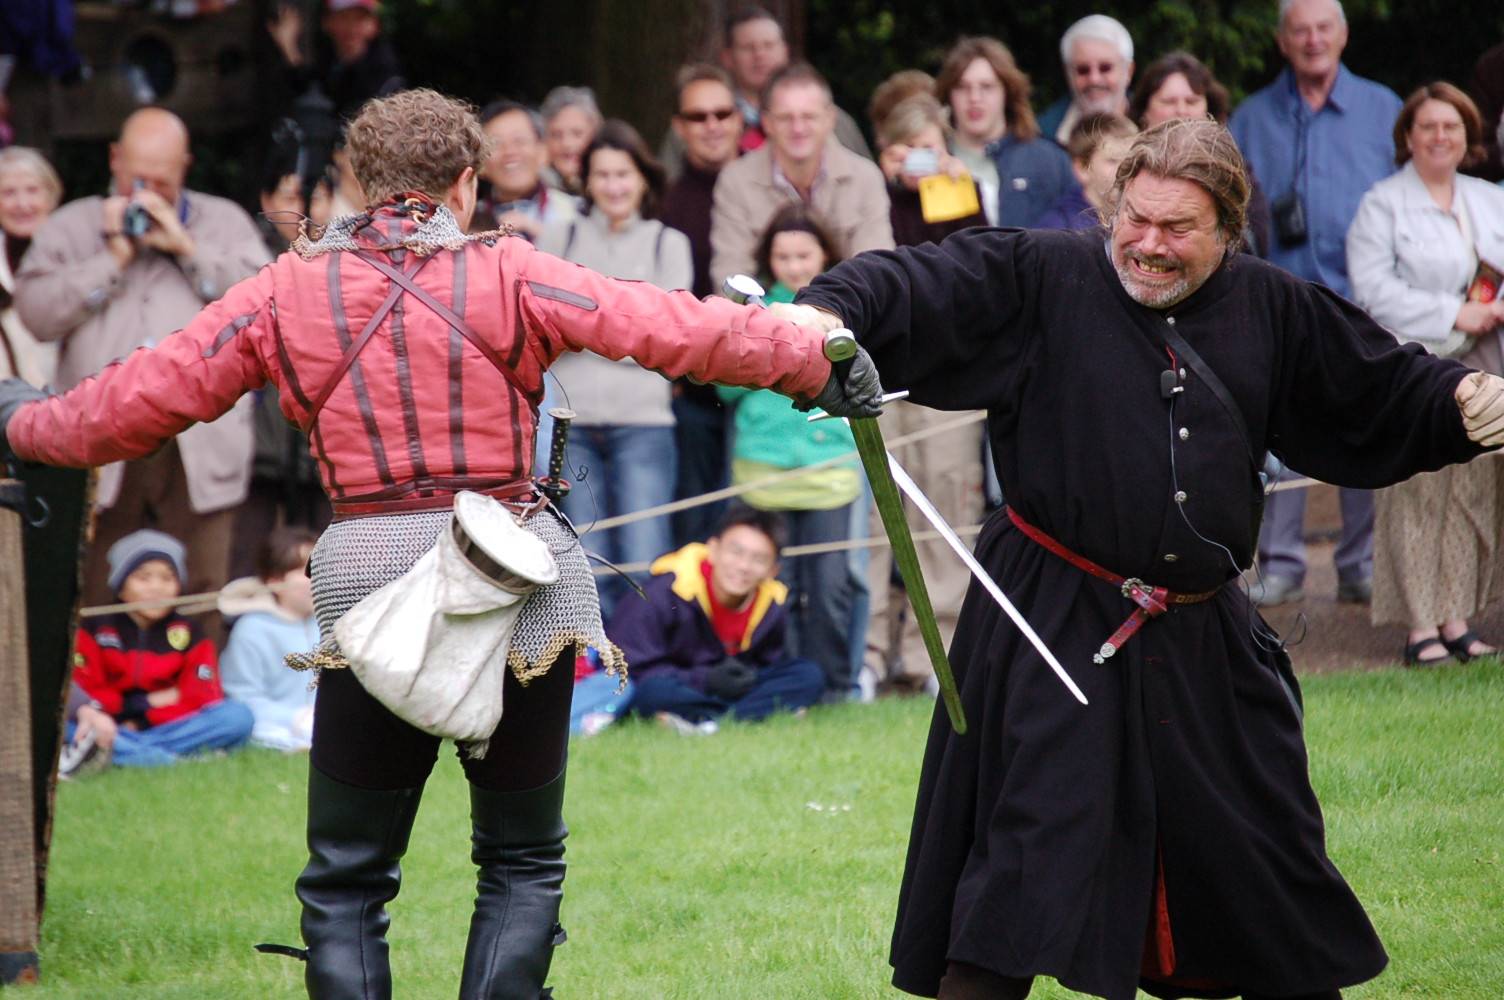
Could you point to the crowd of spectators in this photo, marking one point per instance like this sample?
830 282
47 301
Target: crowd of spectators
760 173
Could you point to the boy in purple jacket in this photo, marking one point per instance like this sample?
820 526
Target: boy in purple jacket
710 636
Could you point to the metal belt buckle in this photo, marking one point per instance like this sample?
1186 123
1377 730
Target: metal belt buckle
1132 584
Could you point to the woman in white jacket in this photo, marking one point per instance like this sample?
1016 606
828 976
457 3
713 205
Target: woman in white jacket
1422 239
29 191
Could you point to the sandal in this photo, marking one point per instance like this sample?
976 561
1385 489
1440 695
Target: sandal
1462 647
1414 649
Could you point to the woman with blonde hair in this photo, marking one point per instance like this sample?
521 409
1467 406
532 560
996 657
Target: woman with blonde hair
29 191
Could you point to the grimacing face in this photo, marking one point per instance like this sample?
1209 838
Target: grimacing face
1166 240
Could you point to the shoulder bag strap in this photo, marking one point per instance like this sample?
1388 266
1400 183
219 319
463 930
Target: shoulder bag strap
356 346
403 282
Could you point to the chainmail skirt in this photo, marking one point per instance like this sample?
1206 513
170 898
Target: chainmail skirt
361 555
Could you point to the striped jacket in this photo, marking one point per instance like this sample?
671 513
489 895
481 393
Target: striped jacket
425 408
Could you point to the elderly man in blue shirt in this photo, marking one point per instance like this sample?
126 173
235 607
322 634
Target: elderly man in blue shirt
1316 138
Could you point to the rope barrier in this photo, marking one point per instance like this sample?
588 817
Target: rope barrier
674 506
207 601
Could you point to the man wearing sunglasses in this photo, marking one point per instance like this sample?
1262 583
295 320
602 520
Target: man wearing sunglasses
708 124
1097 53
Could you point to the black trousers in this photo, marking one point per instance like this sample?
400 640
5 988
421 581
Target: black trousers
358 741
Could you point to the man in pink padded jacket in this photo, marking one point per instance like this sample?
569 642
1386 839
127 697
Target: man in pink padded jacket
413 356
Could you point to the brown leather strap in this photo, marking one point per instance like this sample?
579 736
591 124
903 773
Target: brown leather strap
451 317
358 344
402 501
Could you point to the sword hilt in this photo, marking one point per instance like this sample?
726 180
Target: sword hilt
840 350
554 485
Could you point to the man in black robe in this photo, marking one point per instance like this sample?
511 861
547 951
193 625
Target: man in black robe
1167 834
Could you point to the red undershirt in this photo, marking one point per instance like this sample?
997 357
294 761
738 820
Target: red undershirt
730 625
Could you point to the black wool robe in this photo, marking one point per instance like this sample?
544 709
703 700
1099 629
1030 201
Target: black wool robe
1168 829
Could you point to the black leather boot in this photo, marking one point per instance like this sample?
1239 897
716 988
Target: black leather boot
518 843
356 836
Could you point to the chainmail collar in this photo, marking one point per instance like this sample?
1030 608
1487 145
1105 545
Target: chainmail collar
422 227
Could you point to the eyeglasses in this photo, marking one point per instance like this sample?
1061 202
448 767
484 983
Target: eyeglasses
701 117
1103 68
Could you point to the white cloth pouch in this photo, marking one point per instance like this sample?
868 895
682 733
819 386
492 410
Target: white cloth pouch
432 645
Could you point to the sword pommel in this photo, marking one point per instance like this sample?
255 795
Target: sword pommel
840 345
743 289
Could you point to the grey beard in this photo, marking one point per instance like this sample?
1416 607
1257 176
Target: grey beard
1159 298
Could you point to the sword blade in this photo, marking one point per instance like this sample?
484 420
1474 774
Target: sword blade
874 455
906 483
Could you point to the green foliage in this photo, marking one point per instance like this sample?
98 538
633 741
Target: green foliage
761 862
1402 45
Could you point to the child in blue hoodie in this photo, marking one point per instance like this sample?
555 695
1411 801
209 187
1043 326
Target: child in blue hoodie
275 612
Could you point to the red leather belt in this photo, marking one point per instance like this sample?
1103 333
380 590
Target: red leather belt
1152 601
403 500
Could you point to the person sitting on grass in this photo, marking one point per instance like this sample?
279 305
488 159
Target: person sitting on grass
709 637
154 671
89 739
275 611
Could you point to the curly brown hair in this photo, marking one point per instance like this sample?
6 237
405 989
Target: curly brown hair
415 140
1197 150
1017 112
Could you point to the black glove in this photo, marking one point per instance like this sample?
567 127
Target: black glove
859 394
134 706
730 679
14 394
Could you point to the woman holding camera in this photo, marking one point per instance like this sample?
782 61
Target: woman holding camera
1419 253
912 137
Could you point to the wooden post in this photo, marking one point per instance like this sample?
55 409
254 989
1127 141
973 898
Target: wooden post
18 872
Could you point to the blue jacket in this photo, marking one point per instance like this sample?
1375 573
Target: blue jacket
1070 211
1051 117
1348 147
671 630
1032 174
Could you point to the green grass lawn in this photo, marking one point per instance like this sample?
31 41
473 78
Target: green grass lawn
759 863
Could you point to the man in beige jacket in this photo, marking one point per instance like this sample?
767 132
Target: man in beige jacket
104 280
801 161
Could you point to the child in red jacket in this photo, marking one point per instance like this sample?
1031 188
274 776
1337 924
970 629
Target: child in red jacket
153 670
